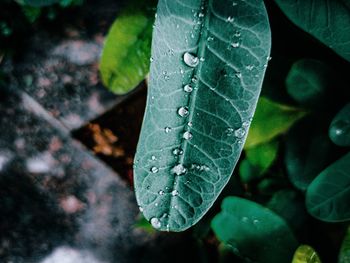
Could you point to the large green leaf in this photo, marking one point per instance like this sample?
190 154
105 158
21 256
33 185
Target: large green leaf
344 255
126 54
326 20
209 59
254 232
306 254
271 119
339 131
328 196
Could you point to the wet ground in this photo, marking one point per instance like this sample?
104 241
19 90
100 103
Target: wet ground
66 153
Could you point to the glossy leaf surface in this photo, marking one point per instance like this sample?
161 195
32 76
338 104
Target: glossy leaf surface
328 195
326 20
209 59
254 232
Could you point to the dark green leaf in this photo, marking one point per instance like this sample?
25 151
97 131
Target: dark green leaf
308 152
307 81
271 119
344 255
339 131
289 205
306 254
126 53
254 232
328 196
192 136
326 20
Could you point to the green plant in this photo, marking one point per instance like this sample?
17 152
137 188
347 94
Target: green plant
208 62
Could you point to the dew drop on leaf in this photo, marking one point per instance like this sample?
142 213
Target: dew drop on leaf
179 169
183 111
155 222
190 60
188 88
167 129
239 133
161 192
174 193
230 19
177 151
154 169
187 135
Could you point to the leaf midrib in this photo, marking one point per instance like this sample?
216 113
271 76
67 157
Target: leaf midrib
193 95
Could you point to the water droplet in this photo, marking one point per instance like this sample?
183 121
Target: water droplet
174 193
156 204
167 129
238 75
177 151
194 79
255 221
230 19
183 111
182 71
237 34
244 219
188 88
245 124
191 60
141 209
190 124
154 169
179 169
239 133
187 135
201 15
161 192
235 44
210 39
200 168
249 67
202 59
155 222
229 131
151 59
153 158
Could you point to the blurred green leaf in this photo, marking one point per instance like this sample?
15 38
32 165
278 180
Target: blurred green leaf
339 131
307 82
308 151
270 120
32 13
126 54
289 204
344 255
254 232
327 197
143 224
38 3
328 21
306 254
263 155
270 185
248 172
